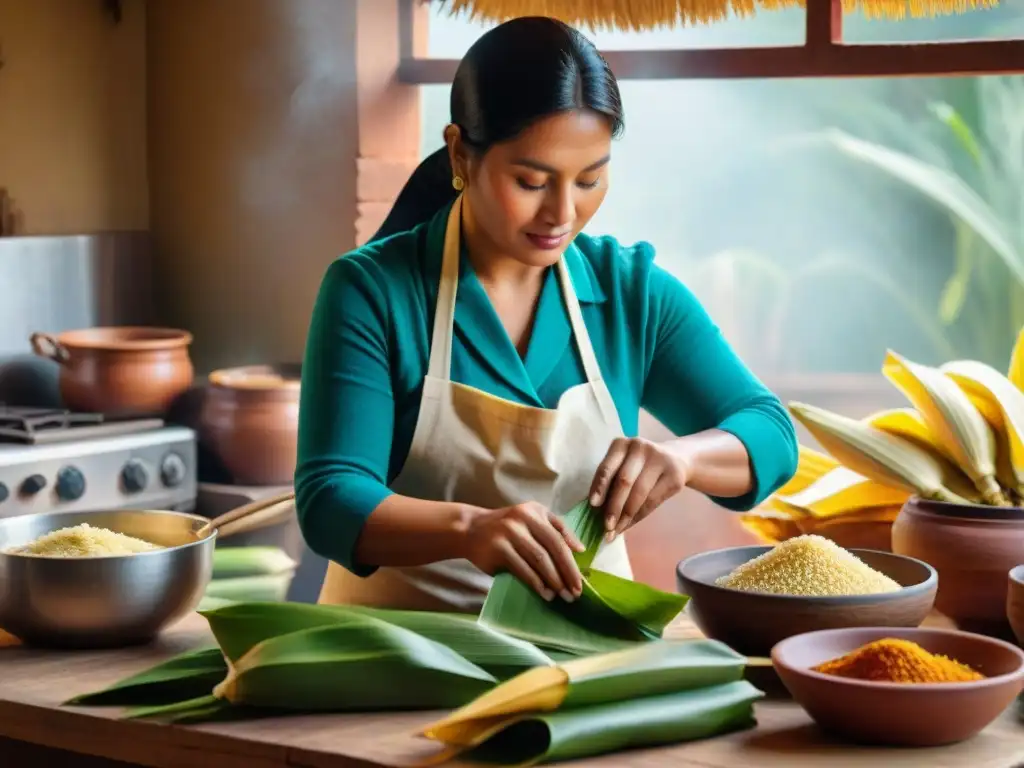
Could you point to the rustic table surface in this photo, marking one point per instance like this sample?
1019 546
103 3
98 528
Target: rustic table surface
33 725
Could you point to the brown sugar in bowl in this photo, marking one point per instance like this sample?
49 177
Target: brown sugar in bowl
250 421
119 371
972 547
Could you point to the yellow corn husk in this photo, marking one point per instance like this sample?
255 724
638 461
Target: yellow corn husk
876 454
811 466
1002 405
769 526
1016 371
952 418
908 424
884 514
656 693
842 490
632 16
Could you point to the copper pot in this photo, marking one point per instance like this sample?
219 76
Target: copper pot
250 421
122 371
972 547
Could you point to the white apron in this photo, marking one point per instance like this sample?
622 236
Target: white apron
474 448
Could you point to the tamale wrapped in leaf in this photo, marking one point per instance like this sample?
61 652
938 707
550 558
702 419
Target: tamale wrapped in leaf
358 664
648 694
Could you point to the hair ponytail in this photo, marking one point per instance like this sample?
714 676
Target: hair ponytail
426 192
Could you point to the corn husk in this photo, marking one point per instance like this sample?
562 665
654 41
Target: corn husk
655 693
842 490
1002 406
952 418
875 454
906 423
811 466
1015 373
611 613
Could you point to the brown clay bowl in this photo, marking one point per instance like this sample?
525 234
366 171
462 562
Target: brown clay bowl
1015 602
901 714
751 623
972 547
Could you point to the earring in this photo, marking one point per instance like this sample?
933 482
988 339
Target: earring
458 183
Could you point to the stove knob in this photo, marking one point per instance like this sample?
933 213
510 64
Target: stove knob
134 476
70 484
172 470
4 493
32 485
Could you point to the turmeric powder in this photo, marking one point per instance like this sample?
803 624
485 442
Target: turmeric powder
891 660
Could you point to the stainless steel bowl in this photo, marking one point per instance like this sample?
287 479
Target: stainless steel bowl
117 600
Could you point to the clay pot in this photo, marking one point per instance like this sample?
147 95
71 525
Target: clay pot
972 547
250 421
121 372
1015 602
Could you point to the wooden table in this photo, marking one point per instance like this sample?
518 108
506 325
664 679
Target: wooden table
33 724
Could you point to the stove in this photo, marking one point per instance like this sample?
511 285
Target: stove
56 460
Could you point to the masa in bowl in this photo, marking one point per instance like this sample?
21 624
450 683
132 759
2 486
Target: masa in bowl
900 713
752 622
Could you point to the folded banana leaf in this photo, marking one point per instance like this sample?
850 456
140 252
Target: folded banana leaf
241 626
654 693
268 587
235 562
671 718
612 612
358 664
181 678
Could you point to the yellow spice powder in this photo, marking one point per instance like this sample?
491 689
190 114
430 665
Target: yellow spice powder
893 660
808 565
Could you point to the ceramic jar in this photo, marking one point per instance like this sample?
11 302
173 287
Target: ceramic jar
121 372
972 547
249 420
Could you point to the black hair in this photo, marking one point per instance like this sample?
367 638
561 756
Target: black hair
516 73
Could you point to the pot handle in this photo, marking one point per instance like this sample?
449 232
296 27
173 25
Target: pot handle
258 514
45 345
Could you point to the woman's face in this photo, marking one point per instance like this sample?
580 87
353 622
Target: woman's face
529 197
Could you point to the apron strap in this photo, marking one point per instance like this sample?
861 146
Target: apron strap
440 366
579 331
444 315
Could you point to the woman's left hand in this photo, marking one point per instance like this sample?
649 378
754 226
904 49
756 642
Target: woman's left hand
635 478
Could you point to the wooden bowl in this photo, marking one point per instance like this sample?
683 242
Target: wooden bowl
972 547
901 714
751 622
1015 602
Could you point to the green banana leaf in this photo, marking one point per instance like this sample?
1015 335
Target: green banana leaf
361 664
265 587
239 627
183 677
235 562
571 734
611 613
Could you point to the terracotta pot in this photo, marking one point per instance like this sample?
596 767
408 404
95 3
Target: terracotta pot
972 547
250 421
119 371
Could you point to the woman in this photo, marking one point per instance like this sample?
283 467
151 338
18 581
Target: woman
475 371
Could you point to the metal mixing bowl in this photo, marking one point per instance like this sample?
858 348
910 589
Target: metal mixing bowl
108 600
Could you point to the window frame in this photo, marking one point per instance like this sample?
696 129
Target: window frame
823 54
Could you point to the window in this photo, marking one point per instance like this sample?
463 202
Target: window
777 200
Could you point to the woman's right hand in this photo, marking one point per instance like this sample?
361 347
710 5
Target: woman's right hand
532 543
